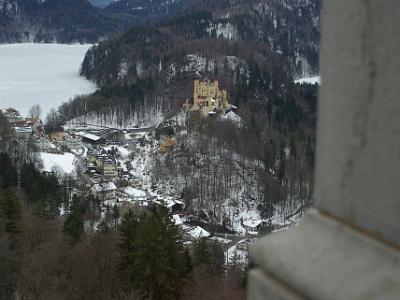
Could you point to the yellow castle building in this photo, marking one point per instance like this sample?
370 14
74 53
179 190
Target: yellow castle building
208 98
167 144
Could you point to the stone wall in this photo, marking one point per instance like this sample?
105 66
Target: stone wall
348 246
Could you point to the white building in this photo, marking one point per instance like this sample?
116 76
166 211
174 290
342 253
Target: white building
135 196
104 190
23 132
193 233
254 226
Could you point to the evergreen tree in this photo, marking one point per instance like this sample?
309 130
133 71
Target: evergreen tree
6 132
245 273
157 260
282 152
74 225
103 227
293 148
127 229
108 215
208 256
266 207
269 155
44 191
10 210
254 127
8 174
282 170
115 215
310 152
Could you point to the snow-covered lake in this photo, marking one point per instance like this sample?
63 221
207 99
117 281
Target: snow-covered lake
44 74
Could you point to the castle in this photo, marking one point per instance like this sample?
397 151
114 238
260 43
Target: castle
208 98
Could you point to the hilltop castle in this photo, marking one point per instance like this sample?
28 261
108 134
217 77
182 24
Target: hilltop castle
208 98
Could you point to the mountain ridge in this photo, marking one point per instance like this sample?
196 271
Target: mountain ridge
254 48
63 21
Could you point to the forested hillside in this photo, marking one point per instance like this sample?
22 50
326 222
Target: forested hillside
56 242
270 29
144 11
255 49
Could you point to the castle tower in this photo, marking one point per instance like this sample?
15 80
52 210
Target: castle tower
207 97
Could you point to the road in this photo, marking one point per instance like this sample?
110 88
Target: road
234 239
131 130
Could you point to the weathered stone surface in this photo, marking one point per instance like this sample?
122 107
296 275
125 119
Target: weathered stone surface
358 142
349 246
262 286
324 259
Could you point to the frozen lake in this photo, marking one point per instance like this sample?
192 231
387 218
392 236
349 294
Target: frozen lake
44 74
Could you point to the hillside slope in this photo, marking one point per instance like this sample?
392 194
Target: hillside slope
144 11
255 49
268 32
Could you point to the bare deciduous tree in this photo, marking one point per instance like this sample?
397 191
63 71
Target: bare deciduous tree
35 111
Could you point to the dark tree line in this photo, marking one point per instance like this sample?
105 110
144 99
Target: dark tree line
44 191
10 206
141 256
6 133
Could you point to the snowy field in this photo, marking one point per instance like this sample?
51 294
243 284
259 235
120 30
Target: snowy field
44 74
62 163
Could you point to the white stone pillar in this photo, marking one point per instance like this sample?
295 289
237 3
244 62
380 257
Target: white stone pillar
348 246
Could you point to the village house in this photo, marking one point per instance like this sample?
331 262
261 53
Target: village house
135 196
99 162
104 163
91 156
110 168
12 115
254 226
135 183
23 133
24 128
208 98
92 139
57 136
245 244
35 123
167 144
175 206
91 168
194 233
104 190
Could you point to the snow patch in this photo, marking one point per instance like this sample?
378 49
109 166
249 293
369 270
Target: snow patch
309 80
223 30
234 118
60 162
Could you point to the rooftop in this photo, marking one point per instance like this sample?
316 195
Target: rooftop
104 187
